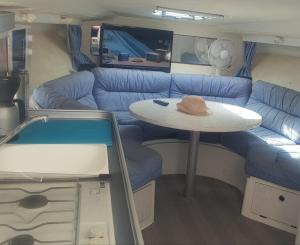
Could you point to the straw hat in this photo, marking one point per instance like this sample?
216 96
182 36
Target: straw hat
193 105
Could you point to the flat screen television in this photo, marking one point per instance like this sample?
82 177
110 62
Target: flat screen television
135 47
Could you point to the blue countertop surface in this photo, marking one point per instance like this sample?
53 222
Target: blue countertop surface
66 131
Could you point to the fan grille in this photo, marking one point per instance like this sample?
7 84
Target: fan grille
216 53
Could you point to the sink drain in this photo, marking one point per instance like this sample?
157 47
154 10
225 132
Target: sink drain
22 240
33 202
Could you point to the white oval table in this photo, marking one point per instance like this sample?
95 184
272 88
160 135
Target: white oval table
222 118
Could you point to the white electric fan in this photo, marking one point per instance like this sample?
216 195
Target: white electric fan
221 54
201 47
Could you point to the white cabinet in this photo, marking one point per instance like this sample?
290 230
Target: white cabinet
144 199
271 204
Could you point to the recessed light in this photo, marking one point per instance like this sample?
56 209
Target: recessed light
157 12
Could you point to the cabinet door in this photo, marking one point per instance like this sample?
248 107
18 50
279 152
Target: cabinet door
19 49
277 204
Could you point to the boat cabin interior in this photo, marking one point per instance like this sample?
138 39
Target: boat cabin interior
152 122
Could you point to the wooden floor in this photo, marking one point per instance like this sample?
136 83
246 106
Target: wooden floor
211 217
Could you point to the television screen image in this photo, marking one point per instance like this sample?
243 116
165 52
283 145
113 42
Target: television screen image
132 47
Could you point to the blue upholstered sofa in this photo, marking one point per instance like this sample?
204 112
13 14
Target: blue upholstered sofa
272 151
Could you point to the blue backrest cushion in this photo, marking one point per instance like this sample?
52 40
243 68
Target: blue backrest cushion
231 90
115 89
279 108
77 87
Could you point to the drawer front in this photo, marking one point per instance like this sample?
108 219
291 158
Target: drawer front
280 205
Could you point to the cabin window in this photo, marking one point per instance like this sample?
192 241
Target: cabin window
191 49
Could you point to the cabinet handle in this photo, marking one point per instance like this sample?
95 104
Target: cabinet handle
281 198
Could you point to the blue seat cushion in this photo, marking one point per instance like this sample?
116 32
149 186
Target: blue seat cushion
279 165
205 137
241 142
144 166
270 137
279 108
212 138
143 163
148 131
154 132
131 132
231 90
125 118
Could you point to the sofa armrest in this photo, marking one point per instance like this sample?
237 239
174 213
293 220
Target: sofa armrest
48 98
72 91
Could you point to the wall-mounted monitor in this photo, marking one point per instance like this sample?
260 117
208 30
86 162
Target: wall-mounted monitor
135 47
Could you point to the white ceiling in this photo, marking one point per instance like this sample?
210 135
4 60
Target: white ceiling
237 12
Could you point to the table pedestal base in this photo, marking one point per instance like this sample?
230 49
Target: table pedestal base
192 164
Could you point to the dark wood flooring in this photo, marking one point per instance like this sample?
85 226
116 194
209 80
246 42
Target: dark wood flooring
213 216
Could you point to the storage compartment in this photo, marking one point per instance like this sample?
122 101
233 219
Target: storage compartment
276 204
144 199
271 204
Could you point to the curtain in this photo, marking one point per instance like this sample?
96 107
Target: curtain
249 53
79 59
4 55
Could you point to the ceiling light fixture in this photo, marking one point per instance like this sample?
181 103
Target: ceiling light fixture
185 14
